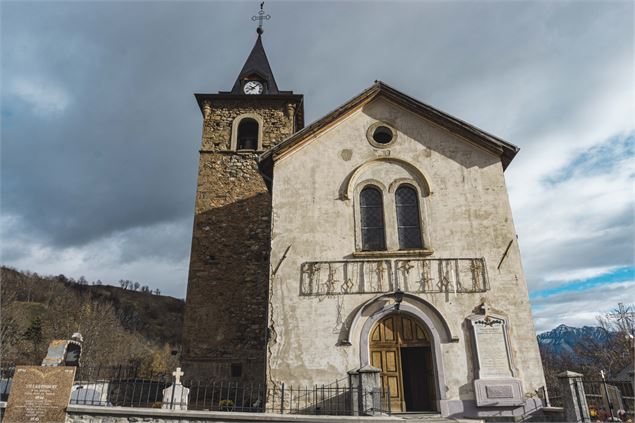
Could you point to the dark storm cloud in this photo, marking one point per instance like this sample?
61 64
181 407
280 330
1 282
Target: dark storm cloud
100 130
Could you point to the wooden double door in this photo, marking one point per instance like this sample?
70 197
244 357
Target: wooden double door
401 348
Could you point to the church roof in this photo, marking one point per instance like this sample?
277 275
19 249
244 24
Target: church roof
506 151
257 63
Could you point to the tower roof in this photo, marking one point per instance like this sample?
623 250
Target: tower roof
257 64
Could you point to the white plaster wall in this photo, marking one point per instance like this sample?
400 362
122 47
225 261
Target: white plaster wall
468 215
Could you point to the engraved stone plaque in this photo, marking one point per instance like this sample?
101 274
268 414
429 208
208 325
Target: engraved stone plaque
39 394
495 385
491 347
499 391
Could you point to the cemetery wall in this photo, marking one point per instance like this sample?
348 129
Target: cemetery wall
91 414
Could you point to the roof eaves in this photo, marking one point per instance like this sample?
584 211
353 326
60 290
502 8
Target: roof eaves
322 122
506 150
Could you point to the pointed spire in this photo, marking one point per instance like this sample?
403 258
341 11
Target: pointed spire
257 65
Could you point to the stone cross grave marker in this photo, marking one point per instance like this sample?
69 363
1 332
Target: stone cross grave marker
177 375
39 394
176 397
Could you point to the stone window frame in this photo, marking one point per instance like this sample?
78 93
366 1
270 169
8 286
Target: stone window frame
236 123
391 235
371 130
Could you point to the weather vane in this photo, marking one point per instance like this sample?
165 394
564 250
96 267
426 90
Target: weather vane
261 17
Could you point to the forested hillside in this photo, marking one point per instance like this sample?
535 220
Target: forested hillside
131 325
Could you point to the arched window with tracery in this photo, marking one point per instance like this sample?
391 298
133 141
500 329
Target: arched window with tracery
372 219
247 138
408 218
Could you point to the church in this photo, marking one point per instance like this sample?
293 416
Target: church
378 238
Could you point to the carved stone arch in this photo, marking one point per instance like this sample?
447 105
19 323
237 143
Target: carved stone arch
236 122
348 187
407 181
381 301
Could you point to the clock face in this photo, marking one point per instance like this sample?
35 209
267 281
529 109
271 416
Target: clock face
253 87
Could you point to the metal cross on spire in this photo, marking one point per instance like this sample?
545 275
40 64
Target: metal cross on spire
261 17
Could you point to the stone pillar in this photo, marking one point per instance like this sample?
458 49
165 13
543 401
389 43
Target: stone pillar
207 109
574 400
365 386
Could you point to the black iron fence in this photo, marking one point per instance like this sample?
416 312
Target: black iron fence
129 387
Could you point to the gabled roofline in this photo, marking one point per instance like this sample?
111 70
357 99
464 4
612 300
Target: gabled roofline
506 151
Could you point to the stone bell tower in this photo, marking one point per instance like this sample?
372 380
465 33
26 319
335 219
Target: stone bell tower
225 325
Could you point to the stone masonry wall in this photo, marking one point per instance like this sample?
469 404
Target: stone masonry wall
217 126
93 414
226 309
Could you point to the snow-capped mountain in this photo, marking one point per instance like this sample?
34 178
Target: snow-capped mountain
563 339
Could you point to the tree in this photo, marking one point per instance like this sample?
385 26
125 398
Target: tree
34 331
34 336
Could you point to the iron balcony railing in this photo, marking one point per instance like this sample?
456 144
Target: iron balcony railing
456 275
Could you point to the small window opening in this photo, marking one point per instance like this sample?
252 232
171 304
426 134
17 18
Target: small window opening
247 138
236 369
408 218
372 219
382 135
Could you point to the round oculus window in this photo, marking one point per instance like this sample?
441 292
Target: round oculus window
382 135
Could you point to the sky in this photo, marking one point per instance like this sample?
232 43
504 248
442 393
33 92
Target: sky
100 130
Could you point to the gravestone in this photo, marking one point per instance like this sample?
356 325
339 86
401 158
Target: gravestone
614 400
64 352
39 394
90 393
495 384
176 397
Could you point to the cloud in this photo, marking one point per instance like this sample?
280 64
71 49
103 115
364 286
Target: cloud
102 183
156 255
42 97
580 219
580 308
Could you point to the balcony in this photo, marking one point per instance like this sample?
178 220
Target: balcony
348 277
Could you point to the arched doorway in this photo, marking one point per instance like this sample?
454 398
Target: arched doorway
400 347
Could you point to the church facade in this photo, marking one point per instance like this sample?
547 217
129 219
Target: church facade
378 237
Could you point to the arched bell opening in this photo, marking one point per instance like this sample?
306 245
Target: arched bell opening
402 347
247 138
